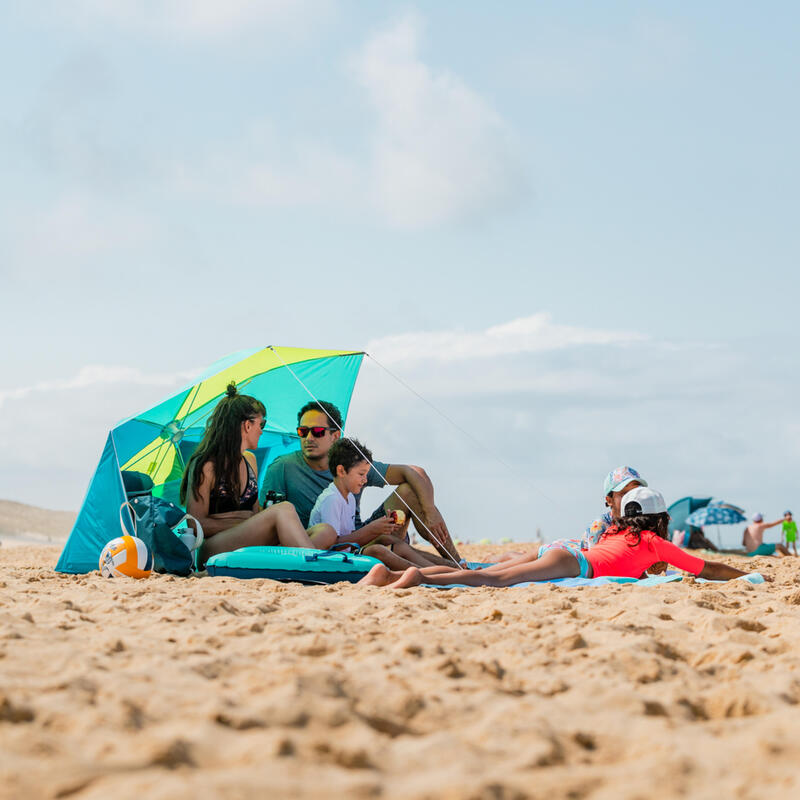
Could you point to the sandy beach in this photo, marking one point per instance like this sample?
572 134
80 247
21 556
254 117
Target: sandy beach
211 687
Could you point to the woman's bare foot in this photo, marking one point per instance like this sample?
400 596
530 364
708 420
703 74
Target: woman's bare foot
379 575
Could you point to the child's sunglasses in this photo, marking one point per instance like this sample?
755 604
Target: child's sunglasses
318 431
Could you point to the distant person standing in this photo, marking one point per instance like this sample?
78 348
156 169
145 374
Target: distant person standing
753 538
789 531
617 484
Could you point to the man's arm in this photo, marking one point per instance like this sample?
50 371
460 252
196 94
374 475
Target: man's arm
431 518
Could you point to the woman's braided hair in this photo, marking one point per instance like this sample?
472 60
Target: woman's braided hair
222 442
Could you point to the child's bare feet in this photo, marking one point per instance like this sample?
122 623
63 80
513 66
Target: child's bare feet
411 577
379 575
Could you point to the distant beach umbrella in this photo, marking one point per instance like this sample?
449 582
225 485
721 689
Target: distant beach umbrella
716 513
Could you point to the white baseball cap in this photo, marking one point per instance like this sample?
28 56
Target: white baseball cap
642 500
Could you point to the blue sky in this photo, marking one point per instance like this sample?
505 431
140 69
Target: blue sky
571 225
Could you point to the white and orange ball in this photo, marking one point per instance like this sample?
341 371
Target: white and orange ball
126 557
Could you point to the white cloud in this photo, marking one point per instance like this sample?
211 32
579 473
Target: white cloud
440 152
533 334
96 376
517 431
558 406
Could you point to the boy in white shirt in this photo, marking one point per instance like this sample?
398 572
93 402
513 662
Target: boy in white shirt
349 463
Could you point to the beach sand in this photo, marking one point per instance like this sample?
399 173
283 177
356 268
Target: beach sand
216 687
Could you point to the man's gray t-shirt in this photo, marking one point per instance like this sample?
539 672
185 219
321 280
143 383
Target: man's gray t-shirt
291 476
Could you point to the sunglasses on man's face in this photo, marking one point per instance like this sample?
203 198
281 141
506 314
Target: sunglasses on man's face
317 431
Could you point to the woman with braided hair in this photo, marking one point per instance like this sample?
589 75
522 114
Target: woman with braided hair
220 488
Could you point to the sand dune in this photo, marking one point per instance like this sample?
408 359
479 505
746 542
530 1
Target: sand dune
202 687
24 524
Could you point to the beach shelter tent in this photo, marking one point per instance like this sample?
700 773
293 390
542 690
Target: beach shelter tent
157 443
680 510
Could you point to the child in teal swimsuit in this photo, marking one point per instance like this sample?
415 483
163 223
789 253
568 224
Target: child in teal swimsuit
789 529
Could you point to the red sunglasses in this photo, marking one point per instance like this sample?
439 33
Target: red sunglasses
318 431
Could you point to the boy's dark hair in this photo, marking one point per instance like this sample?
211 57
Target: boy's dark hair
329 409
348 453
633 526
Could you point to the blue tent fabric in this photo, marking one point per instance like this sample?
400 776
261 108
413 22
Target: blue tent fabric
681 509
98 520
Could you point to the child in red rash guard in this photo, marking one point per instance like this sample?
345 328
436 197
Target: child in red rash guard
639 539
636 541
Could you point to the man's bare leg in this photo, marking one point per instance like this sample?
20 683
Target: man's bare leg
386 556
413 555
432 559
417 557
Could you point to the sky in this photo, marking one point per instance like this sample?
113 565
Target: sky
570 227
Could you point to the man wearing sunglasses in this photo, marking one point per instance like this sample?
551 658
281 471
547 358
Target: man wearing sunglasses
303 475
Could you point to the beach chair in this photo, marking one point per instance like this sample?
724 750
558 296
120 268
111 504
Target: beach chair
136 484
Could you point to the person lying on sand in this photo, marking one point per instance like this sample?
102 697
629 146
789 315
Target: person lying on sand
349 463
617 484
637 539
